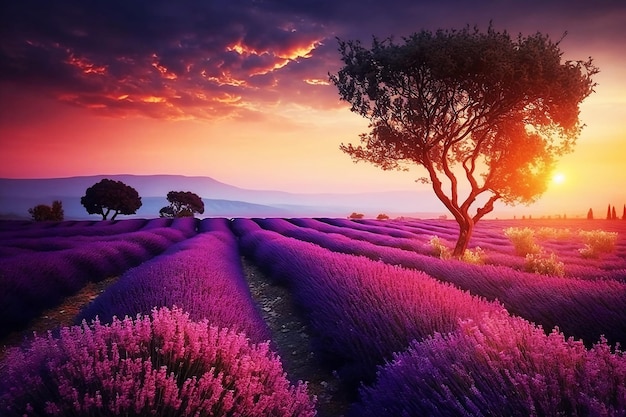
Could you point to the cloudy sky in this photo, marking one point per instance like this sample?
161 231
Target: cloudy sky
239 91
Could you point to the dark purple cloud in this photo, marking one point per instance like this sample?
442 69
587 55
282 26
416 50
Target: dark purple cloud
208 59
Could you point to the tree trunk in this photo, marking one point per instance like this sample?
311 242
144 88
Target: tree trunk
115 215
466 227
104 215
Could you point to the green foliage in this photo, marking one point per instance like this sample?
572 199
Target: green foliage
182 204
459 100
542 263
109 195
523 240
42 212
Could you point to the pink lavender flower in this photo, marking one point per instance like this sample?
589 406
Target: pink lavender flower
163 364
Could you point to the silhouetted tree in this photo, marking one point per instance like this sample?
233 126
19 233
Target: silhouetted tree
624 213
608 212
356 215
109 195
42 212
613 214
494 109
382 216
182 204
590 214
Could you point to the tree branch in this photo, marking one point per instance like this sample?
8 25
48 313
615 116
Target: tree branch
487 208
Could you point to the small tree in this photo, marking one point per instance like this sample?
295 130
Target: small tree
590 214
42 212
613 214
484 114
608 212
109 195
182 204
356 215
624 213
382 216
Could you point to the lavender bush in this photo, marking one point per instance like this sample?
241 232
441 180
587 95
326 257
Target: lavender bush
163 364
202 275
30 283
360 311
499 366
580 308
82 228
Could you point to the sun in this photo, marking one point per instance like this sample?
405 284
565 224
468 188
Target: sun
558 178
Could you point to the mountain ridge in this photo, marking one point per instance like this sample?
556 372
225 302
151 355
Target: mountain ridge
17 195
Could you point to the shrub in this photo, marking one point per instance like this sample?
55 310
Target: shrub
476 256
553 233
42 212
356 215
597 242
439 249
382 216
542 263
523 240
163 364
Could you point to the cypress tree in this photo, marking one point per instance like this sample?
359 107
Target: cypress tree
613 214
590 214
608 213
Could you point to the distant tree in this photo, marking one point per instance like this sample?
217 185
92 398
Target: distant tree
382 216
613 214
590 214
356 215
608 212
109 196
624 213
42 212
478 111
182 204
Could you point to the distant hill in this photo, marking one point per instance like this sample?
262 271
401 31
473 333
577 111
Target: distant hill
220 199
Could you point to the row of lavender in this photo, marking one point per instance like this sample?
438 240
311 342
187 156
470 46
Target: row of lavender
438 350
584 309
198 345
564 241
53 268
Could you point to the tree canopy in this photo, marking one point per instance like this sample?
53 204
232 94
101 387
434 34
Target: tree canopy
43 212
182 204
109 196
484 114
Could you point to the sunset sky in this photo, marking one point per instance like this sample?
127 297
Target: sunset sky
239 91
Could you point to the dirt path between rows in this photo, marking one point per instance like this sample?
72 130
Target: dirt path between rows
291 338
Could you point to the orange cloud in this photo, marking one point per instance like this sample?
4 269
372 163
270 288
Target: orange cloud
84 65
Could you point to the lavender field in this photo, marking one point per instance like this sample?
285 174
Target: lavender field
528 323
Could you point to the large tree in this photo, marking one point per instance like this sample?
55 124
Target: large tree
486 115
109 196
182 204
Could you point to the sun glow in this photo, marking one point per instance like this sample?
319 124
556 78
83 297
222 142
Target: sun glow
558 178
